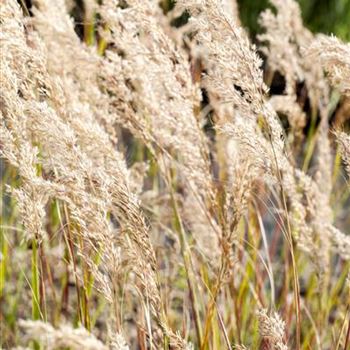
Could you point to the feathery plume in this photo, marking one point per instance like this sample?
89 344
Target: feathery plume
157 102
92 172
64 336
334 57
271 328
343 140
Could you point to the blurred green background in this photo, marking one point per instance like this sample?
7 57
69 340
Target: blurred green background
326 16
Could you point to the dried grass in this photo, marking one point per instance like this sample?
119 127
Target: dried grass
156 195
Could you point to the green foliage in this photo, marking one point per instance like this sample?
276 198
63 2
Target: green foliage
326 16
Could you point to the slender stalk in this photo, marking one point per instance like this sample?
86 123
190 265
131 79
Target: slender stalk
294 267
69 243
187 263
3 260
347 338
35 282
42 288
